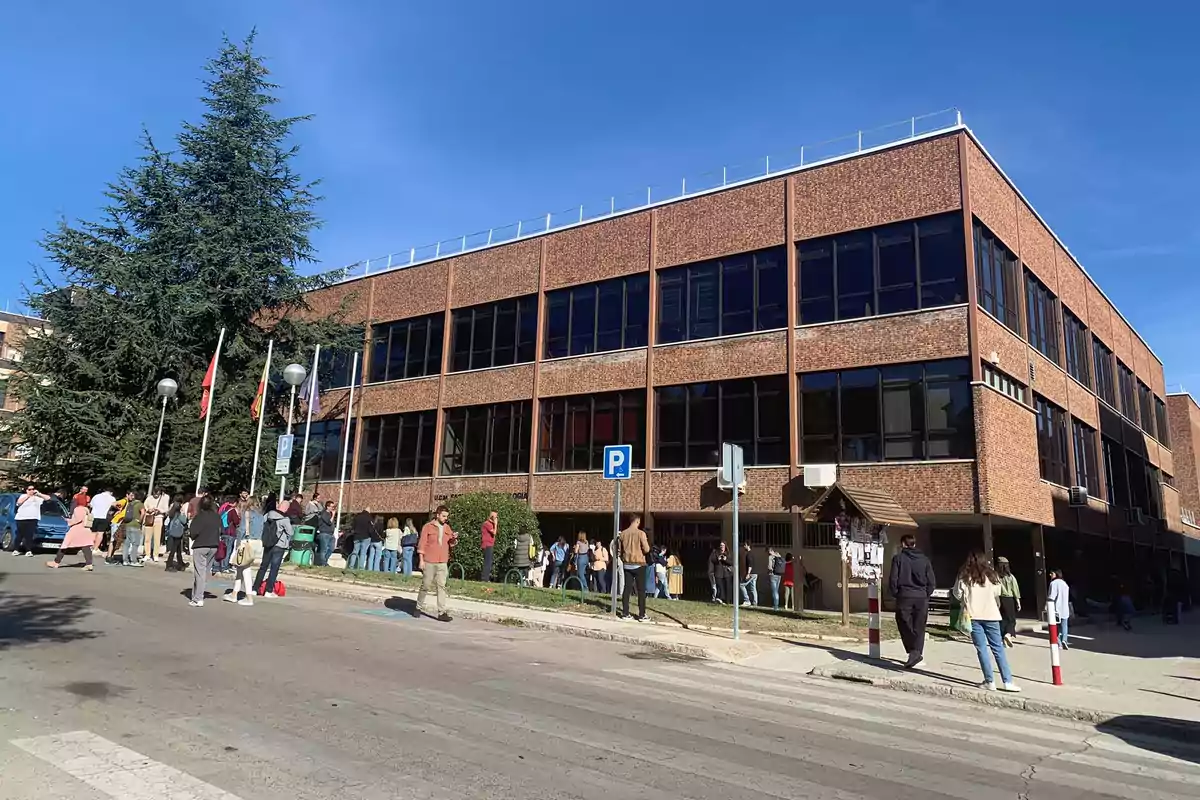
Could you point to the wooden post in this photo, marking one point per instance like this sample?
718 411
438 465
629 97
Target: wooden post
845 593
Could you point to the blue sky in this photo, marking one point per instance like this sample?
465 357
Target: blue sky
435 119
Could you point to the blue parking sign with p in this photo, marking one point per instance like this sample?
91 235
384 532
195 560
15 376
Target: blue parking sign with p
618 461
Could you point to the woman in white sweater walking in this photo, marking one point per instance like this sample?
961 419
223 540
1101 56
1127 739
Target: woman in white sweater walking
978 589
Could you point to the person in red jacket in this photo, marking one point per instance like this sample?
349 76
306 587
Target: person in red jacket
789 579
434 548
487 540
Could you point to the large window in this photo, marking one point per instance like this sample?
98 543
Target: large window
1116 473
574 430
1078 352
996 271
324 450
1052 441
337 362
882 270
1146 408
409 348
494 334
901 412
736 294
1086 473
397 446
1126 384
1162 423
1002 383
693 420
609 315
1145 484
1041 312
487 440
1102 360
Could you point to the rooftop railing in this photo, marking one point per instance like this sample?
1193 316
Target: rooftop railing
689 186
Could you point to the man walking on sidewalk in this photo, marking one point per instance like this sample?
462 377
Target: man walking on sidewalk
434 549
912 583
634 549
487 539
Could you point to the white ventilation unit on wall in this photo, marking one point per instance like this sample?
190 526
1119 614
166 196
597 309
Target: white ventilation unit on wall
1077 496
820 476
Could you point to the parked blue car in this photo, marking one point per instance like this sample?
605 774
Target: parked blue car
51 530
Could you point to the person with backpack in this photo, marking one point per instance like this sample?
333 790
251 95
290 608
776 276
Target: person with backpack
230 520
134 513
775 568
524 555
176 526
408 546
276 539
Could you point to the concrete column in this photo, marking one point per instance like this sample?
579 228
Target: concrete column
1039 570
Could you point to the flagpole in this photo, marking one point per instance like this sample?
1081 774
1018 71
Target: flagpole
312 398
261 414
346 442
212 393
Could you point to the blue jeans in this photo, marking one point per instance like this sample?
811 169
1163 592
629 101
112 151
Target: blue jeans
373 556
129 550
358 558
557 572
581 571
324 548
407 553
750 590
775 579
986 636
269 568
601 577
387 561
1062 632
223 564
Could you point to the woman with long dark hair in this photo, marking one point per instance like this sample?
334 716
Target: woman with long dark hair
978 588
1010 600
205 531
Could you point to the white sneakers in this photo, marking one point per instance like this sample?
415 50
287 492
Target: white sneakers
1008 687
196 603
270 594
245 601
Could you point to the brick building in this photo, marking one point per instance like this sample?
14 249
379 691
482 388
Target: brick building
901 312
1185 437
14 328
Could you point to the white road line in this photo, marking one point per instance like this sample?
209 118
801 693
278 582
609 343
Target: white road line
117 771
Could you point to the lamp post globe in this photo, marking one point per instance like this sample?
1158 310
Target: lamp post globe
167 388
294 374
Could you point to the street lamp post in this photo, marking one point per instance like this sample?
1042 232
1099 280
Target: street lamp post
294 375
166 390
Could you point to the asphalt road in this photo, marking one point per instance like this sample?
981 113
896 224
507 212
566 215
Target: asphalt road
111 686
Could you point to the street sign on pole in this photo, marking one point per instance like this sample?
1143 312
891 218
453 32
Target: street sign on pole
618 466
283 454
733 474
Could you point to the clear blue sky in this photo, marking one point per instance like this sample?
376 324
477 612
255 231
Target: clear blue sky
438 118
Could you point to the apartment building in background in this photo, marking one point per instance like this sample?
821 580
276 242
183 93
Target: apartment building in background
14 328
902 313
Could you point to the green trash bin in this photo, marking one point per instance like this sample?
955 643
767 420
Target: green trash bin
303 538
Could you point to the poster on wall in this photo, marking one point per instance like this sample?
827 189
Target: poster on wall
862 544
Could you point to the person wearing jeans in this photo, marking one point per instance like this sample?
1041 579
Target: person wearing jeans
205 530
775 575
325 534
276 538
374 553
634 549
978 589
391 544
749 578
487 541
359 556
408 546
363 531
1060 595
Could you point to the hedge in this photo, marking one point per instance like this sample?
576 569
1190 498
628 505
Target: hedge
467 514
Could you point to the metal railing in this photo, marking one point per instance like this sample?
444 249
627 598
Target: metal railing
688 186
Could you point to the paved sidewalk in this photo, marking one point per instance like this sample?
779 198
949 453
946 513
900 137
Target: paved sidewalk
1108 672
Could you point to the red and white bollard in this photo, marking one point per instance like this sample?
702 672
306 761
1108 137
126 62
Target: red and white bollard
1052 622
873 618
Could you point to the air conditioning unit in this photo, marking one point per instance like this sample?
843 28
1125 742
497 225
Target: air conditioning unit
1135 516
1077 496
725 486
820 476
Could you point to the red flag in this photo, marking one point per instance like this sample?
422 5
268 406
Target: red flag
260 395
206 395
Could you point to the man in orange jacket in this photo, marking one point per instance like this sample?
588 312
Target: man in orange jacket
434 548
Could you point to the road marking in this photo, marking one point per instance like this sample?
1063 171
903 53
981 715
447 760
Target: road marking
386 612
115 770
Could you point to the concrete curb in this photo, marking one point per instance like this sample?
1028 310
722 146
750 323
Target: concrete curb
1159 727
380 595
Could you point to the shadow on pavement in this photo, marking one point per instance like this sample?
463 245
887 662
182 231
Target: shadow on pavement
884 664
407 605
1171 737
35 619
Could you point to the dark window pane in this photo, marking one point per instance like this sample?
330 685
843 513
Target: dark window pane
368 466
737 295
816 281
558 320
943 261
388 443
703 307
860 415
771 266
637 310
527 322
903 412
772 421
897 269
737 415
578 433
475 451
672 311
499 439
604 427
410 433
671 426
610 315
418 343
454 441
703 425
504 349
855 276
550 436
583 320
399 348
425 446
484 327
461 340
818 417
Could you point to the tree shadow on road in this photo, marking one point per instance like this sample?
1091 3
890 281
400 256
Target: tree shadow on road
36 619
1172 737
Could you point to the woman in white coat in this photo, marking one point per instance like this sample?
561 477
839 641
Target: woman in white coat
1060 596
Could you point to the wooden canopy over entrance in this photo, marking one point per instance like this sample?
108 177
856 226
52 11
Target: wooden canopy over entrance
874 505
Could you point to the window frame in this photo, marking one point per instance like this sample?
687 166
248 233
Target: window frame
405 327
566 295
1146 408
1127 392
373 427
1106 382
1004 383
516 415
1054 464
690 276
551 409
997 285
523 348
916 231
1083 442
1041 318
1077 349
759 389
1162 422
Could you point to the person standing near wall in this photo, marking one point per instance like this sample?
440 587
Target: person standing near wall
1060 595
911 582
325 534
749 578
436 540
775 569
634 549
487 541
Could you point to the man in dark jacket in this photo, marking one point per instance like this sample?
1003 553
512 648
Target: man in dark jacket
912 583
720 574
325 533
363 530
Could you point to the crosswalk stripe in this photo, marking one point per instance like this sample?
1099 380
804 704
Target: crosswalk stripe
115 770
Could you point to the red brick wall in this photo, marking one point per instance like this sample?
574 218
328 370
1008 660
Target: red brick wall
624 369
488 386
993 201
1007 455
928 488
496 274
585 492
923 336
327 302
1184 416
399 396
721 224
411 292
689 490
506 484
402 496
740 357
597 251
1037 247
892 186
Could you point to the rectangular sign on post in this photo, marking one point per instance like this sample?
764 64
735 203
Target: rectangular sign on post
283 454
618 462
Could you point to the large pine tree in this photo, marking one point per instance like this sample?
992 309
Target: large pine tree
211 235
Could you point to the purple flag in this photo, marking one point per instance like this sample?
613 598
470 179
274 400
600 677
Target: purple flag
312 389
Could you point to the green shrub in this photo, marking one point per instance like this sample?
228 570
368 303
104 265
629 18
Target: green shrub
467 513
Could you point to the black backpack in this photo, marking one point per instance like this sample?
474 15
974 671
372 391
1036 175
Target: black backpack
270 534
779 565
